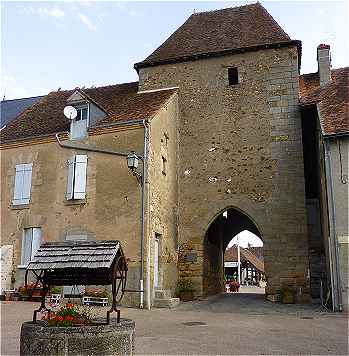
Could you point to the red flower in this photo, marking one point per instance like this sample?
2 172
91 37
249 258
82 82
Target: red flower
70 305
70 318
60 318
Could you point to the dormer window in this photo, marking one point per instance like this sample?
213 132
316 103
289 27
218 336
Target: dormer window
79 125
82 113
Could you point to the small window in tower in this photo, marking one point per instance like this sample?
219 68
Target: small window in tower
233 76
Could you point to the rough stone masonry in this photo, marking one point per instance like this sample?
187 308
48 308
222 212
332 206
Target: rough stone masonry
240 146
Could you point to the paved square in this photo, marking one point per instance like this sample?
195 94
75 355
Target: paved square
235 324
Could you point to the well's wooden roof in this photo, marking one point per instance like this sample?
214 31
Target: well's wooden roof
75 255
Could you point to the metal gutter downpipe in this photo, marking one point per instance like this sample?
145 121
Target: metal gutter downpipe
334 255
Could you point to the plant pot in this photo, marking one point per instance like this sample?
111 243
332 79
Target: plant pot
186 296
287 299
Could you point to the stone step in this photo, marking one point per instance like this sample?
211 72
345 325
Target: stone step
166 303
162 294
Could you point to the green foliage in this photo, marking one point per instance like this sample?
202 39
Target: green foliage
67 315
56 290
185 285
286 291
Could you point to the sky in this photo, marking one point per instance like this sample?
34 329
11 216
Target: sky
51 45
245 238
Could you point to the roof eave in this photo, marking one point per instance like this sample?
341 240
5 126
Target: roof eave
297 43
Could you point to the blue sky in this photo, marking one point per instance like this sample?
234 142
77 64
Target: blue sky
47 45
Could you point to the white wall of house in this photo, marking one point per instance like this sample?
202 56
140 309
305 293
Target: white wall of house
339 152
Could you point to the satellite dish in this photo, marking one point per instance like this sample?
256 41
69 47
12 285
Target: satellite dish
70 112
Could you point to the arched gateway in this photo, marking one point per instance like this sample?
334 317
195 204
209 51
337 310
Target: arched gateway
220 232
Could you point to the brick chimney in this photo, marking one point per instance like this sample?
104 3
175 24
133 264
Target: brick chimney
324 63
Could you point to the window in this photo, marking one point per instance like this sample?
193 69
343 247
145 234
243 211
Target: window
164 165
76 184
30 244
233 76
23 181
82 113
78 126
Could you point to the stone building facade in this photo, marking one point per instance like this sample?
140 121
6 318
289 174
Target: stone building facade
324 103
240 146
225 154
111 208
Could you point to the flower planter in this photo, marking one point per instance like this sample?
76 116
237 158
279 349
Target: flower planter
97 339
186 296
94 301
287 299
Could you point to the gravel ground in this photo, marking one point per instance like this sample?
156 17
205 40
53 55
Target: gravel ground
228 324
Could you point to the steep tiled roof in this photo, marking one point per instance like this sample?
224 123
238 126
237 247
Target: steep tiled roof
217 32
332 99
121 102
246 254
10 109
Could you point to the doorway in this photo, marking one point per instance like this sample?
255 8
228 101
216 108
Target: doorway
221 233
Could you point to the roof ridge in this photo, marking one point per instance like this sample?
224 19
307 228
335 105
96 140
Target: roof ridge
92 88
29 97
226 8
332 70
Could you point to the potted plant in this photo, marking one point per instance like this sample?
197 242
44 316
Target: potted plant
185 289
31 291
287 295
96 296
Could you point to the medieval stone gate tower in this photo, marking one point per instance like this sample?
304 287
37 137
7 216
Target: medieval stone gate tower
239 138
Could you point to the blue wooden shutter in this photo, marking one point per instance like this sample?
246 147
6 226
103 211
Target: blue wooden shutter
22 187
80 177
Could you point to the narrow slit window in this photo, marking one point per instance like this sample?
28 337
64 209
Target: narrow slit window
164 165
233 76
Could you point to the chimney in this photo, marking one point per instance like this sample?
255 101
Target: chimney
324 63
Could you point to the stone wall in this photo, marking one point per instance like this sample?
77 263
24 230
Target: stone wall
163 193
6 268
240 146
111 209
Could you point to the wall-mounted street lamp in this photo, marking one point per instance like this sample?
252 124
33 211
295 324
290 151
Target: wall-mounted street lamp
132 164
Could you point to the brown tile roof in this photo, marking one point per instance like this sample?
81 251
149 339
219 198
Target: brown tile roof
211 33
246 254
121 102
332 99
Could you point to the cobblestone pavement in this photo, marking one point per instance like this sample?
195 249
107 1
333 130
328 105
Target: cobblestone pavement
228 324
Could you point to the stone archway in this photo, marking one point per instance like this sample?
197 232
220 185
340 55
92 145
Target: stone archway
220 232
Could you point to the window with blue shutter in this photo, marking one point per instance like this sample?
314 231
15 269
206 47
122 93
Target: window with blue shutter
76 182
23 182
